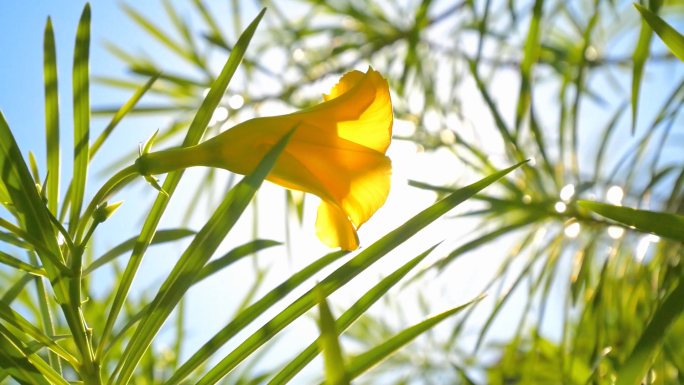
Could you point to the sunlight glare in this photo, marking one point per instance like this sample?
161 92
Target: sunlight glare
298 55
220 114
567 192
614 195
560 207
615 232
642 248
447 136
236 101
573 230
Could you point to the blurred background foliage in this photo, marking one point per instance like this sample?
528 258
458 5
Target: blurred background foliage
584 89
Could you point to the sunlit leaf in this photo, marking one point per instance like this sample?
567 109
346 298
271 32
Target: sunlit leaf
51 116
673 39
329 345
348 271
663 224
81 89
195 257
195 133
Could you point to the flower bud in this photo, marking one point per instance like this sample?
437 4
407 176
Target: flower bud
104 211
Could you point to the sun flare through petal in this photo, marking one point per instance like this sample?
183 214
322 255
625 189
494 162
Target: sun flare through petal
337 153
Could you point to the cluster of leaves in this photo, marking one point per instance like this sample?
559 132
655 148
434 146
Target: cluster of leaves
75 339
611 285
622 302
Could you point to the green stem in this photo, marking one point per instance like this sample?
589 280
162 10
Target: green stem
163 162
91 372
97 199
93 377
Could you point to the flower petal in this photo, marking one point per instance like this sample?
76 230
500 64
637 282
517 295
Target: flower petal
334 229
336 153
359 108
346 83
357 178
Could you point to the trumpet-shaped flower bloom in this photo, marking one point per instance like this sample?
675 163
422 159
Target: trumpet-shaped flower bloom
336 153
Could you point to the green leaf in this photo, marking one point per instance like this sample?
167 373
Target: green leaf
125 109
234 255
15 363
46 317
13 240
195 133
348 318
14 290
158 34
81 87
538 136
37 245
509 140
8 341
35 346
18 264
19 322
373 357
639 57
33 215
483 240
663 224
51 116
673 39
635 367
178 23
208 18
30 209
345 273
500 303
531 51
194 258
161 236
329 345
33 166
248 315
607 132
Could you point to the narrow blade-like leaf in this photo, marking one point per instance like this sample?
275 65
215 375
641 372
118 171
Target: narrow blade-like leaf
673 39
248 315
635 367
235 255
348 318
532 49
195 133
195 257
663 224
51 117
15 363
81 86
125 109
373 357
345 273
16 349
161 236
329 345
9 260
19 322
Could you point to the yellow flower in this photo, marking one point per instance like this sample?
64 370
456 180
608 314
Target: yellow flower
337 153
